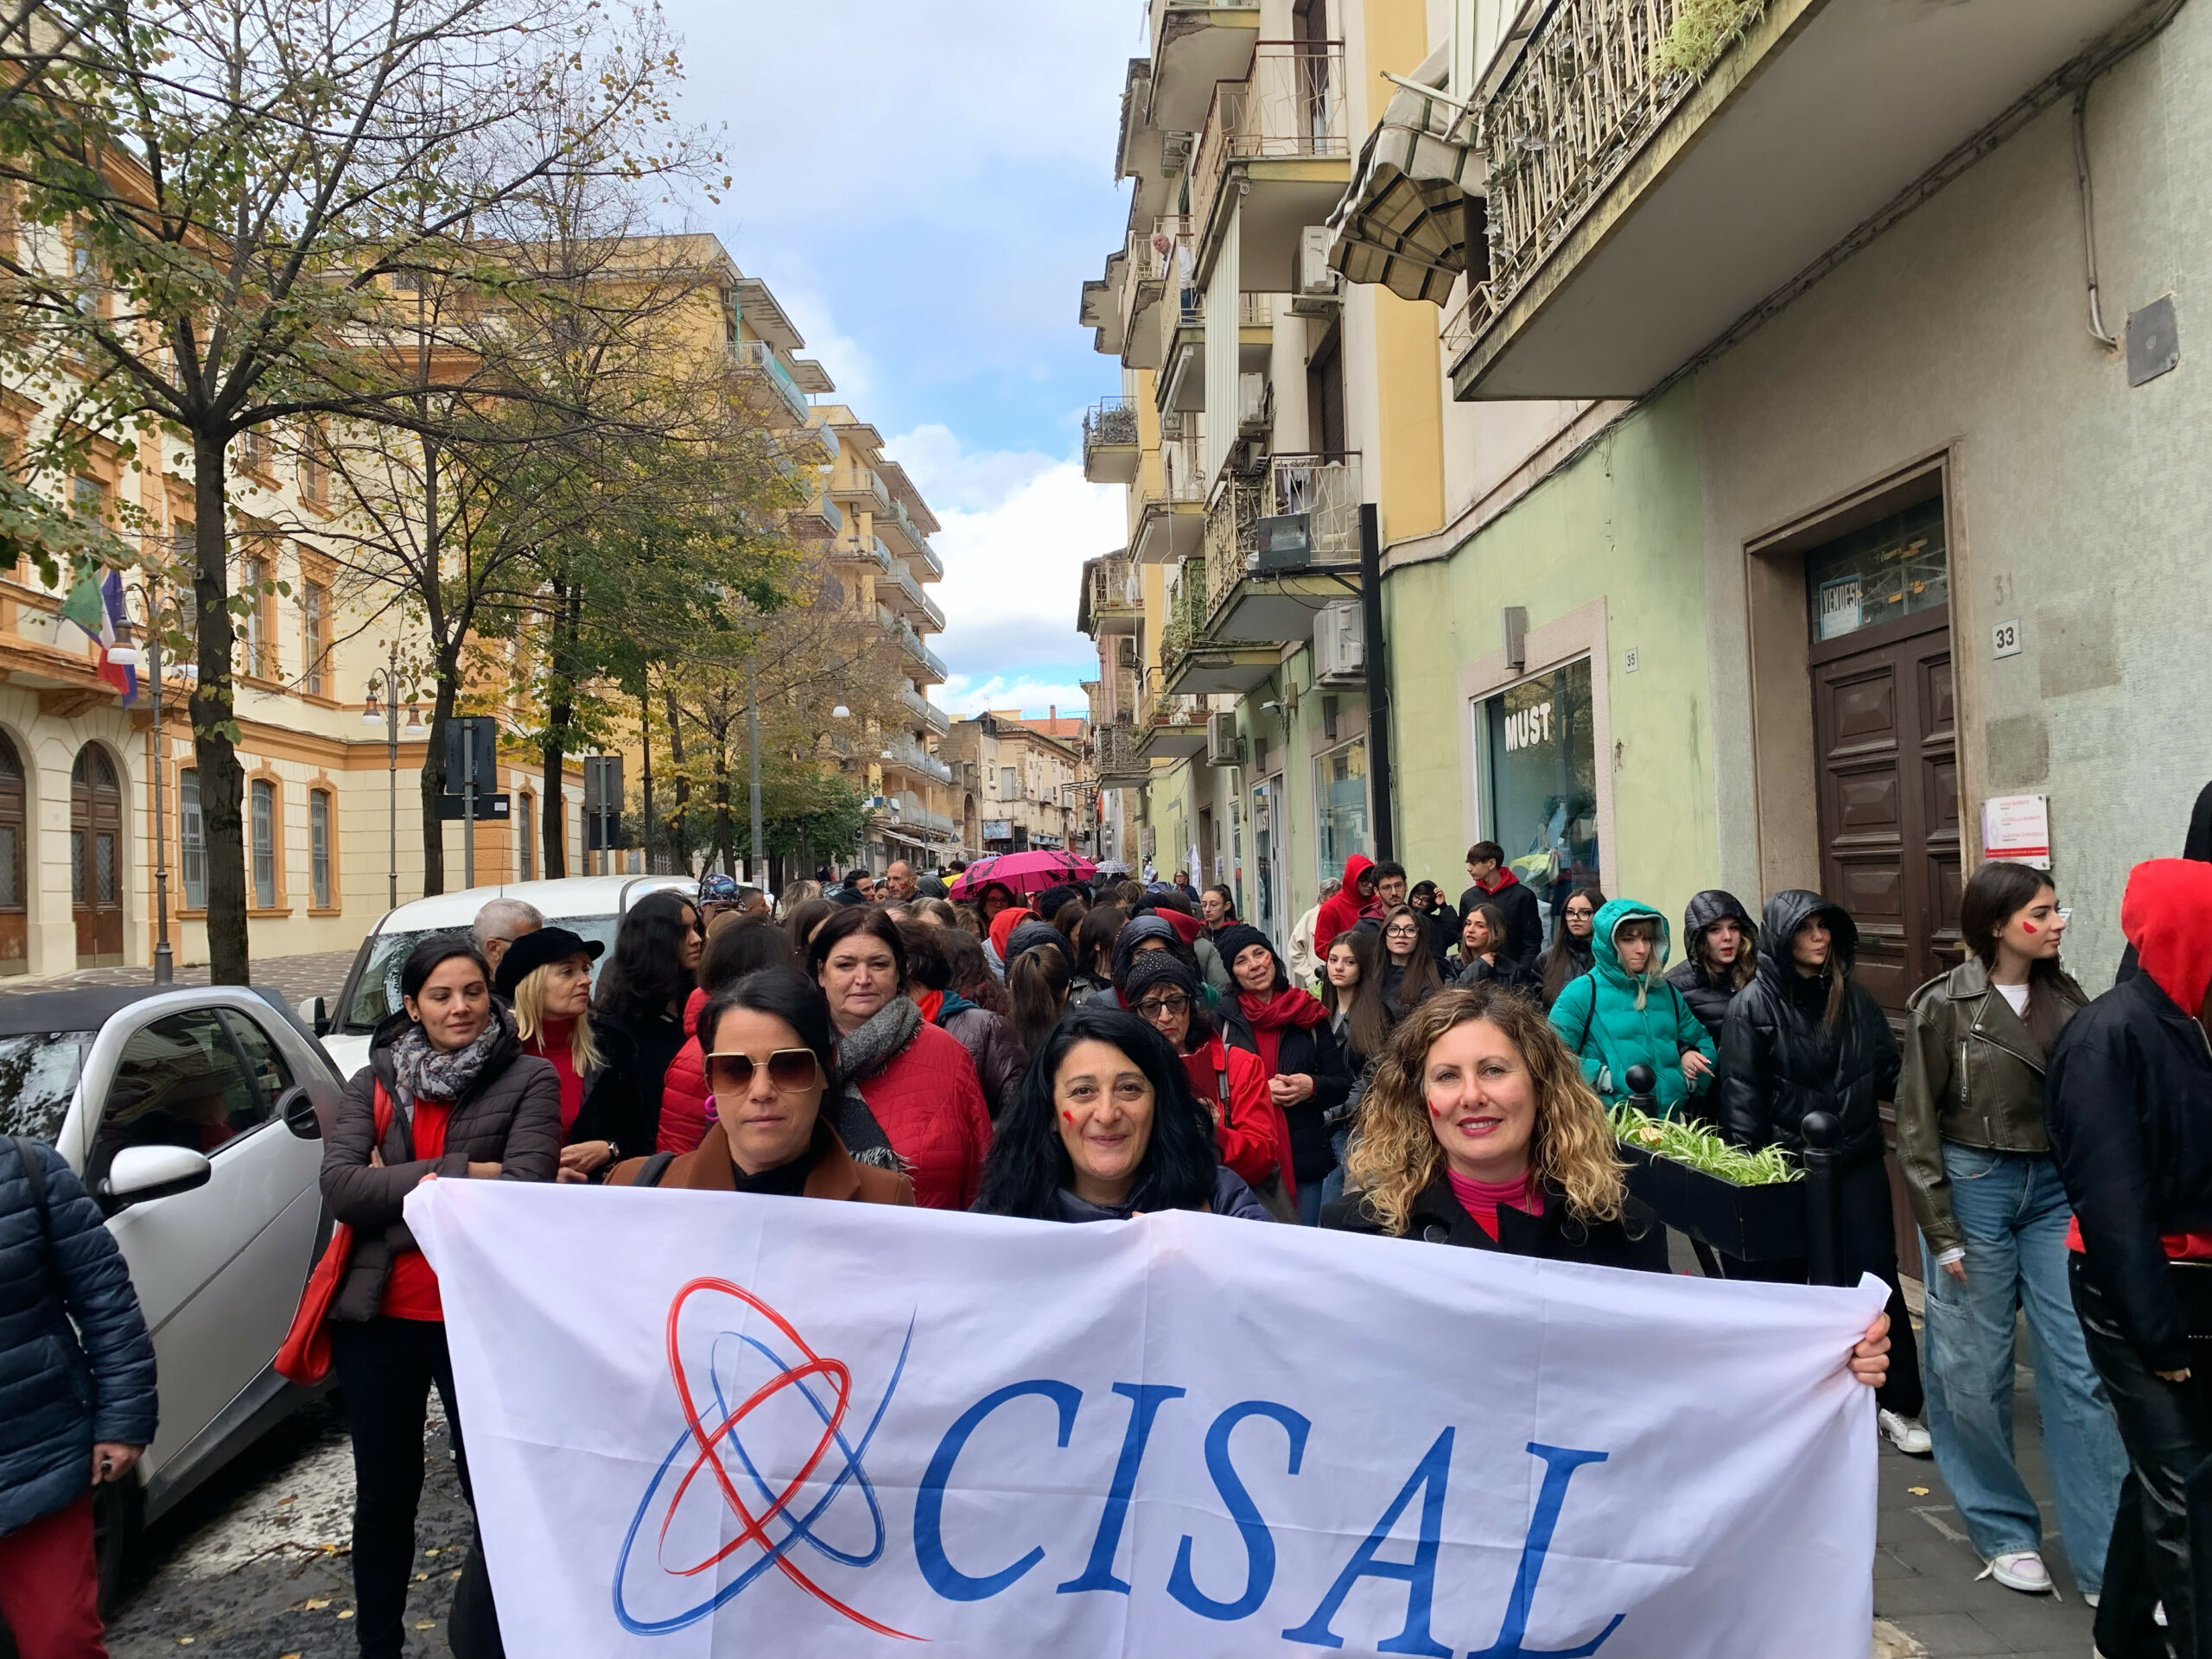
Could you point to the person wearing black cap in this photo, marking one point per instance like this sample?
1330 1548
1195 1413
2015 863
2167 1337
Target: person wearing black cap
1249 1128
545 977
1287 1026
448 1091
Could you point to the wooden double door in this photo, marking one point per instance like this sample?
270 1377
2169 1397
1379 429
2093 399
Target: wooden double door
96 858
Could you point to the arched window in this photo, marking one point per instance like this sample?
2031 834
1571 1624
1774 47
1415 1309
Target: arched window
15 829
262 812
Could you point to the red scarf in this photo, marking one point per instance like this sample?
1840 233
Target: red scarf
929 1002
1272 1015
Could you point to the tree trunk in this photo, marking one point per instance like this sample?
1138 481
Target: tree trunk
442 697
722 806
679 821
560 709
645 767
213 708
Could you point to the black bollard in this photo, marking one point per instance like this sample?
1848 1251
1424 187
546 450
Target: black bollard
1823 1200
1642 1089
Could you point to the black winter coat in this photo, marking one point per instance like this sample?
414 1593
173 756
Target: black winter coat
1708 997
2196 845
511 1116
1779 1061
622 1100
1636 1240
1313 1052
74 1368
1524 919
2128 1104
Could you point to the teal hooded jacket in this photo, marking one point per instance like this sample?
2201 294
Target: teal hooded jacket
1612 1020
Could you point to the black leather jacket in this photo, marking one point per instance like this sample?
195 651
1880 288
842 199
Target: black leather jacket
1778 1059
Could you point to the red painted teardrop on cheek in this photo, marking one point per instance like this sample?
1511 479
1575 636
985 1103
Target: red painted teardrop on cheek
2027 927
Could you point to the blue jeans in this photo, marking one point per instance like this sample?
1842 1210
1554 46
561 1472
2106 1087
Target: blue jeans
1331 1187
2013 1212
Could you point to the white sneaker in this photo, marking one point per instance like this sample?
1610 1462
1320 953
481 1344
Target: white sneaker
2090 1602
2022 1570
1907 1435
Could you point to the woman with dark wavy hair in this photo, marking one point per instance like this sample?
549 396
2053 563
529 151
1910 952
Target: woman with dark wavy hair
1105 1127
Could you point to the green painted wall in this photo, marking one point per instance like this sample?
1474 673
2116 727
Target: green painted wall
1624 522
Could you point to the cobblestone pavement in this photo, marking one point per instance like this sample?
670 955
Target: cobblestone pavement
297 977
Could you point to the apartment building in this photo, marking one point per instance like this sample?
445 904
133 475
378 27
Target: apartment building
1021 781
1763 484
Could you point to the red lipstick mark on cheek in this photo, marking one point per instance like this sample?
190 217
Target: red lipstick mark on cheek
1068 1118
2027 927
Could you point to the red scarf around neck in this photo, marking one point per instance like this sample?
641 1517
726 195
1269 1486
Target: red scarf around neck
1271 1015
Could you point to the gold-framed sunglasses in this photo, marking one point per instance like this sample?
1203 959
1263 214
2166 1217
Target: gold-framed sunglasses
789 1071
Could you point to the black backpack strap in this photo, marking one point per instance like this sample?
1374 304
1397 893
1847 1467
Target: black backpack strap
651 1172
34 1172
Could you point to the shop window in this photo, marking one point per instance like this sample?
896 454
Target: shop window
1340 805
1894 567
1537 779
191 840
262 810
319 884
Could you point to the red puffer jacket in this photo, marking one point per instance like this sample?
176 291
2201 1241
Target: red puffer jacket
931 1107
684 1098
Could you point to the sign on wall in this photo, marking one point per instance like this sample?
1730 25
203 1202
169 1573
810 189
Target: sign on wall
2015 829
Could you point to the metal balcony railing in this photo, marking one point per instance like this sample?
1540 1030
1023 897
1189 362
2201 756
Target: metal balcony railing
927 712
900 524
1292 104
900 629
1113 585
1326 488
1255 310
912 591
869 552
757 356
905 752
1586 93
1109 422
1154 710
1182 473
1160 253
1186 621
860 486
1118 755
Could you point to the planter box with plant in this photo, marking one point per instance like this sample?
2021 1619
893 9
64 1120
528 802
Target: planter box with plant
1747 1205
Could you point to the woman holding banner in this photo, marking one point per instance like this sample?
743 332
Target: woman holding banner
1106 1128
448 1091
771 1051
1479 1131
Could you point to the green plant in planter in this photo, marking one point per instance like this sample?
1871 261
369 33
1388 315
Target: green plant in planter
1701 1149
1701 31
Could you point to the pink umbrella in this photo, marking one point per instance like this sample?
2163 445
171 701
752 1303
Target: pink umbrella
1023 872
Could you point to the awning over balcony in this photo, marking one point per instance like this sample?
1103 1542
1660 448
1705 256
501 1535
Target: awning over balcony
1404 222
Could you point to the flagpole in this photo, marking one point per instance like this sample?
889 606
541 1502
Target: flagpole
164 961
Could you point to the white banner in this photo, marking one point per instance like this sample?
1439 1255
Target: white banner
706 1425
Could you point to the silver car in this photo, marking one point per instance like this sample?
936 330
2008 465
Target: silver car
192 1117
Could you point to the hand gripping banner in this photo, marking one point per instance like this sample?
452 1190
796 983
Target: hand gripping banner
701 1424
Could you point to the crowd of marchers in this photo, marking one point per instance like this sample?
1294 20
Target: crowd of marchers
1413 1069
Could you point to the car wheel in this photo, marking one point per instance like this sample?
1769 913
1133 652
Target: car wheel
118 1512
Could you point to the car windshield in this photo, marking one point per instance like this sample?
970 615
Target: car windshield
376 995
38 1078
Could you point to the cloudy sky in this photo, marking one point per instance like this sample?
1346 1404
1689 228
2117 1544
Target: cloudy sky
926 186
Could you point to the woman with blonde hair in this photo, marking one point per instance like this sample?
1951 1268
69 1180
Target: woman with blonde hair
545 977
1479 1131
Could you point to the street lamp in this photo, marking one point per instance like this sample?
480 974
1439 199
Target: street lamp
388 716
130 657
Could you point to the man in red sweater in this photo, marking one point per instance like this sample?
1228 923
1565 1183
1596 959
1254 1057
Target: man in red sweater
1495 883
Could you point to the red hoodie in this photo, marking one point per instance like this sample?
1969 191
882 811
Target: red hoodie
1343 908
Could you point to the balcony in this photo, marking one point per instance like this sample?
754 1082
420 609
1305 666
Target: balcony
897 525
1196 43
1193 663
1110 454
1641 205
904 752
758 363
1101 307
859 486
1181 387
1170 522
907 598
1275 157
1280 546
1159 251
927 566
1122 764
820 520
1169 726
926 664
934 718
1115 596
816 445
860 550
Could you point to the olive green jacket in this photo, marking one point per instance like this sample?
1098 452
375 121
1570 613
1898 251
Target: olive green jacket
1973 1074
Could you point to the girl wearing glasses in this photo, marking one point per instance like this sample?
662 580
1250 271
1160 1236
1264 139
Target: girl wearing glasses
771 1051
1409 975
1572 955
1106 1128
1250 1129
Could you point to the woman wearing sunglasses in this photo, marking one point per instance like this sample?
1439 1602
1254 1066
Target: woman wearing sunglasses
770 1051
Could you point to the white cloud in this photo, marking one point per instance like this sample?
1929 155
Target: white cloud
1017 525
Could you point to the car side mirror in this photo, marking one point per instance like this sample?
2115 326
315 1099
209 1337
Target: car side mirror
297 1106
314 1015
139 1173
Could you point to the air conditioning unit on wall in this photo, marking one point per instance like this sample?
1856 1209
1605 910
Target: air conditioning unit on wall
1339 644
1223 747
1320 287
